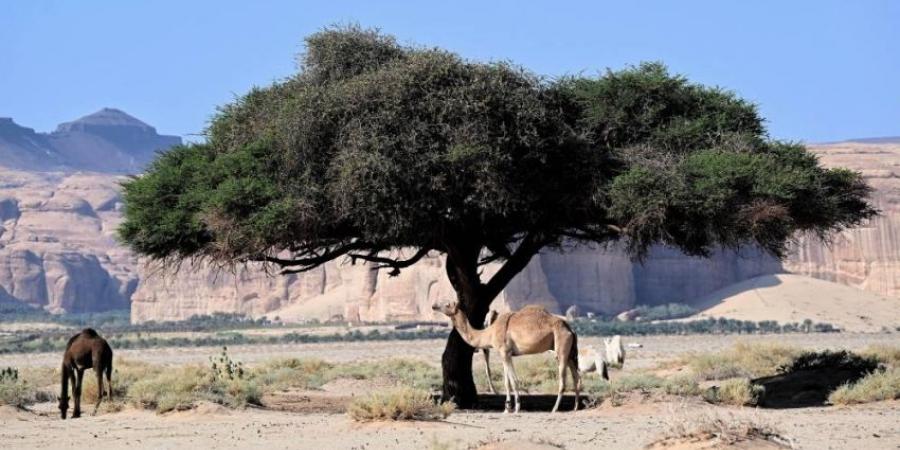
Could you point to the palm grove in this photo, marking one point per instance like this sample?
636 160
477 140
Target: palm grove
384 153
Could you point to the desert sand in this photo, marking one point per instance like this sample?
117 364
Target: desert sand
789 298
316 419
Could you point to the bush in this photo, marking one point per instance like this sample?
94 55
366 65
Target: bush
682 385
736 392
400 404
15 391
877 386
664 312
742 360
224 382
885 354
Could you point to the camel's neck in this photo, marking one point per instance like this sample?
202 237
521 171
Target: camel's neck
474 337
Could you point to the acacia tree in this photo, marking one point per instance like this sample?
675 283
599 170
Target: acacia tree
373 147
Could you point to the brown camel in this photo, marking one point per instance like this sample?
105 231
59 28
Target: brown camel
528 331
85 350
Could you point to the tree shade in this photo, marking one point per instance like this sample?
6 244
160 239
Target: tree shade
373 146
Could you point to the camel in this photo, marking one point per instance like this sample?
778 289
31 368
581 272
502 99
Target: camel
85 350
591 360
491 317
615 352
528 331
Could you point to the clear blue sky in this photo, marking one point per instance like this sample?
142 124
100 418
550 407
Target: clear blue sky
820 70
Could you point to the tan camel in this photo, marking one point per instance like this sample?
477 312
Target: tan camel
528 331
491 317
85 350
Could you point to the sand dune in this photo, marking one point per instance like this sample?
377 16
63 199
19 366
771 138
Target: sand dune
794 298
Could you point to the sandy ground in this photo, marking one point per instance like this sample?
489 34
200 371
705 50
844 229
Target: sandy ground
314 419
628 427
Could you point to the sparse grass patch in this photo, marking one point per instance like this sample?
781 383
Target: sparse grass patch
223 382
886 354
399 404
314 373
15 390
682 385
735 392
742 360
877 386
721 431
598 390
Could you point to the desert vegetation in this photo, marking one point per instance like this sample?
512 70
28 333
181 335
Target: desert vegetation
399 404
719 431
231 330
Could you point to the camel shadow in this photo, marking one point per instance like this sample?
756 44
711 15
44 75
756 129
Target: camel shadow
530 403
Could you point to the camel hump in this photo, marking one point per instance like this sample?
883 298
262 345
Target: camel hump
532 307
89 332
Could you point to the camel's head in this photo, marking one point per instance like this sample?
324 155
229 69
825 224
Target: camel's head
63 407
449 307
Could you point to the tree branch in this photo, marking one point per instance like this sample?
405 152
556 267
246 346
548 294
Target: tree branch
394 264
528 247
312 258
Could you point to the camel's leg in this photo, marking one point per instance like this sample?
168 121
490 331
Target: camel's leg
99 373
487 368
64 390
514 380
507 381
79 378
563 365
109 380
576 378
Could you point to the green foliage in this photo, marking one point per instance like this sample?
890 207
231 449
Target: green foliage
831 360
664 312
9 374
16 391
123 338
374 146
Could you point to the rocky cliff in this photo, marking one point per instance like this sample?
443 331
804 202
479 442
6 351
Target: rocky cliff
56 242
57 252
867 257
108 140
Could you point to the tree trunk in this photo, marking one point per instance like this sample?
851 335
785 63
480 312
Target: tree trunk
459 385
475 299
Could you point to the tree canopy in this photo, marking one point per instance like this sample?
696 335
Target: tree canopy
374 146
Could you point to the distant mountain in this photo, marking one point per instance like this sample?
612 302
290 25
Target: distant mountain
877 140
108 140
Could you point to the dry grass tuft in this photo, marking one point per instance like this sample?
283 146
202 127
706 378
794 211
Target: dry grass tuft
743 360
877 386
735 392
399 404
888 355
721 431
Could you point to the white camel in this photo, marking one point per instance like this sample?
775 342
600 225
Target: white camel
528 331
